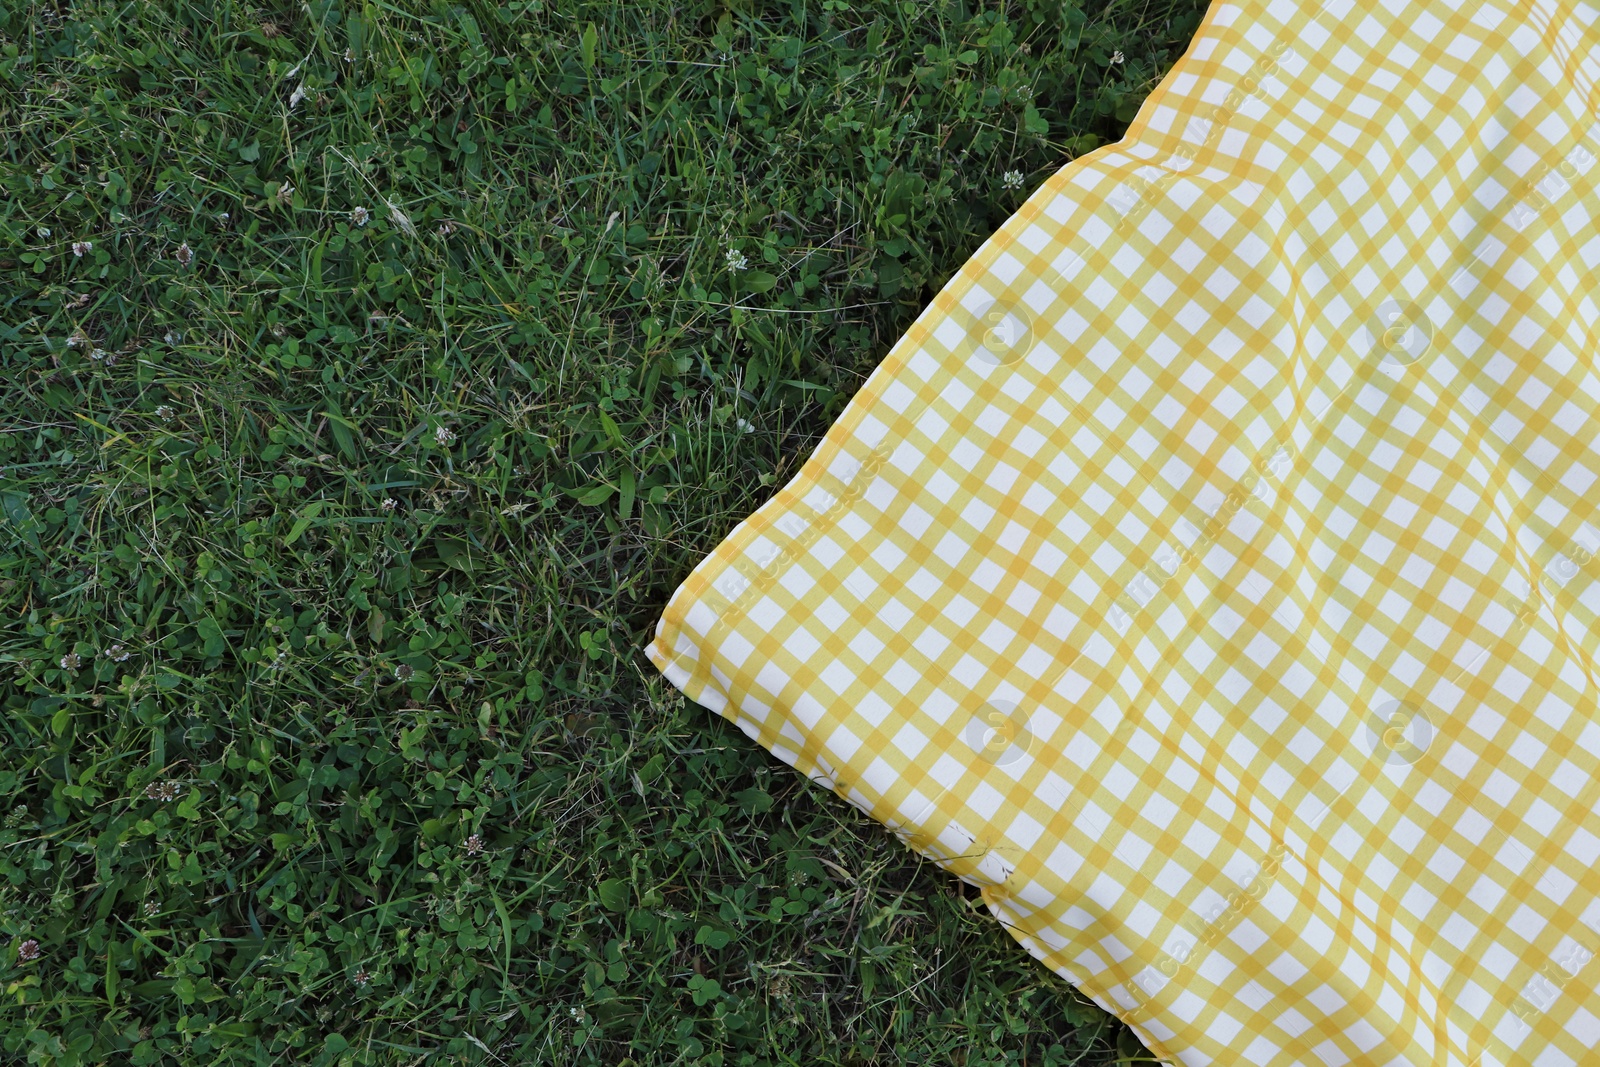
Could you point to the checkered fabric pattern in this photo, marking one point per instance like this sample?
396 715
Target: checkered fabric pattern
1210 574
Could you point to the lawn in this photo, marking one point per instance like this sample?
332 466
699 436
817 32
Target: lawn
373 374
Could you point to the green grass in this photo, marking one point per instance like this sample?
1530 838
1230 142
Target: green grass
291 777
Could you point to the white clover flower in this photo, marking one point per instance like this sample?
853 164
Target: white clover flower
1116 57
285 194
360 216
390 503
736 259
444 435
82 248
97 354
165 413
1011 179
172 337
43 231
744 424
70 661
474 845
184 254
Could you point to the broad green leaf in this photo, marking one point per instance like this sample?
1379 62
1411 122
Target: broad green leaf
625 504
356 27
344 434
587 44
614 894
595 494
758 281
455 552
613 432
303 522
652 769
712 938
20 517
753 800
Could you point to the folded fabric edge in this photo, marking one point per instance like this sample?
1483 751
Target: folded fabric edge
994 897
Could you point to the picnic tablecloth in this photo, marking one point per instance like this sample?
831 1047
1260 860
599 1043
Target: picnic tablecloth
1210 573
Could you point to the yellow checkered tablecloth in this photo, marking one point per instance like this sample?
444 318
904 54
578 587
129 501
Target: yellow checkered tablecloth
1210 573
